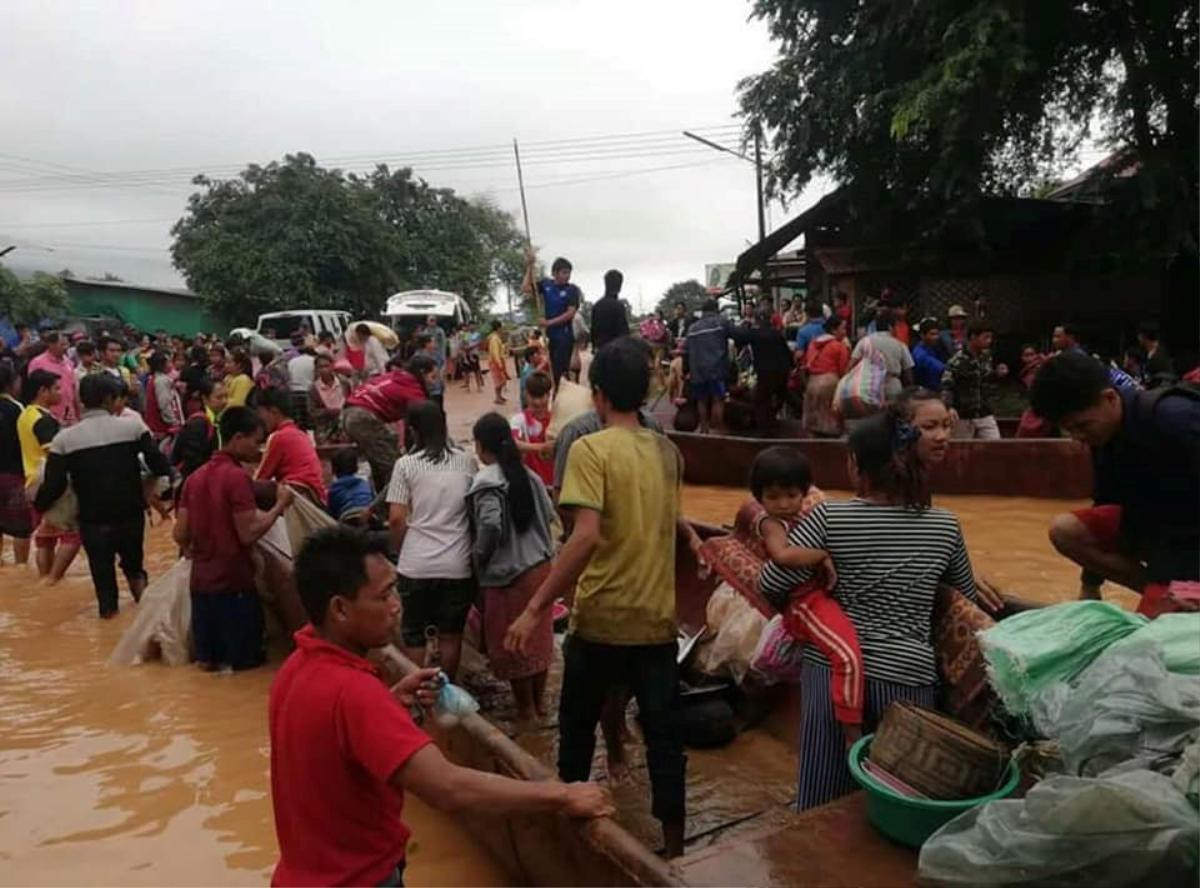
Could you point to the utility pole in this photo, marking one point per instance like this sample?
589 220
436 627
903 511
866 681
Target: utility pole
758 181
758 172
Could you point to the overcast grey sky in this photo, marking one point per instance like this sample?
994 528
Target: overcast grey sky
92 90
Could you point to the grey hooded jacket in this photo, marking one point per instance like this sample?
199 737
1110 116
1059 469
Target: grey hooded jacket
501 553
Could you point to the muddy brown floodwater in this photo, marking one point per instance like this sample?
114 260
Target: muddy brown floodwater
149 775
159 776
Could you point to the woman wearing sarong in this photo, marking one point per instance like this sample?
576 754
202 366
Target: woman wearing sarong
891 550
825 361
511 513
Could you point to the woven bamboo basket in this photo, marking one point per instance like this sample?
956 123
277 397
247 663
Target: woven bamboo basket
936 755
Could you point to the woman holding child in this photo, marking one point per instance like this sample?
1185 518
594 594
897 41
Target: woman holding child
511 513
891 549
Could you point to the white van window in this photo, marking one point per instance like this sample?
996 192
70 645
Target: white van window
283 327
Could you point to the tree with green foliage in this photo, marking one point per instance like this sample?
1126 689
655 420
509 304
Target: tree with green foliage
26 302
924 107
292 234
690 292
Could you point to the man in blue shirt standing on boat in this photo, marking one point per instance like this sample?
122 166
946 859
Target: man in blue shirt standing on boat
560 301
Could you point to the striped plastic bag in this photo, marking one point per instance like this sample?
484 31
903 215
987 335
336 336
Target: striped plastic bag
860 392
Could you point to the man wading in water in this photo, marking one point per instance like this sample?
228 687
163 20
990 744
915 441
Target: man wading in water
623 485
344 749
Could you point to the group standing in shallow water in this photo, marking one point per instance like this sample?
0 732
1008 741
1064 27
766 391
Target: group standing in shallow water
858 576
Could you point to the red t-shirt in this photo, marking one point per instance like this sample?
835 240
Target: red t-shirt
827 355
531 429
292 456
212 495
388 395
337 737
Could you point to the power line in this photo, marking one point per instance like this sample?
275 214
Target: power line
94 222
576 150
616 174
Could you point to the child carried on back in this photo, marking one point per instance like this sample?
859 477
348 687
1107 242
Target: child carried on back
780 479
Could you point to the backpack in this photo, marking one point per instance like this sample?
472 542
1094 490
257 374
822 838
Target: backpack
860 392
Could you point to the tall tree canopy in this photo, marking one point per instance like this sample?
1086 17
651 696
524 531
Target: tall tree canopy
292 233
43 296
690 292
928 105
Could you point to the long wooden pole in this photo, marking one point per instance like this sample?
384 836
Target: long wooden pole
521 185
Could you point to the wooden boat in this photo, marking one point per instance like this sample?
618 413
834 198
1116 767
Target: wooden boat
1055 468
740 828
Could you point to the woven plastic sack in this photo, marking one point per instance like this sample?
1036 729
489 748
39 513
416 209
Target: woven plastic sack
1035 649
861 391
570 401
778 656
162 627
1133 828
1176 635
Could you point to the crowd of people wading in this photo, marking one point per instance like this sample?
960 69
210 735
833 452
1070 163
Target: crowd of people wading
96 435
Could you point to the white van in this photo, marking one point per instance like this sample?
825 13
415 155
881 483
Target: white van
280 325
412 307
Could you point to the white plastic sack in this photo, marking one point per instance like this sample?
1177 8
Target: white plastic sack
1124 706
570 401
1129 829
737 627
163 623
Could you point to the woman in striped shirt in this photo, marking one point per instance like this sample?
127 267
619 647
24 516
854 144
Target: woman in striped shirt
891 550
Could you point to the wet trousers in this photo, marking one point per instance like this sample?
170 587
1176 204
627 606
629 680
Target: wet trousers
590 670
103 543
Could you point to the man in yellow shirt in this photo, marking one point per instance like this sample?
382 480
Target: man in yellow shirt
622 485
54 547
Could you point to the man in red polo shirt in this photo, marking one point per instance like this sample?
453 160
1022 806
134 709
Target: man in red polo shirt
216 525
344 748
291 455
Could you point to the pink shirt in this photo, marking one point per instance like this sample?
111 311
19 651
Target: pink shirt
66 410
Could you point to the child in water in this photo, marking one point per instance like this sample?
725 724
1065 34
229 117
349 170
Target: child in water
780 479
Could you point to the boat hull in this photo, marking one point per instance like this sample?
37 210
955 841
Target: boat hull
1054 468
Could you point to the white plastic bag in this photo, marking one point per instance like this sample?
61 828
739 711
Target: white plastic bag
737 628
1121 829
453 703
778 656
1124 706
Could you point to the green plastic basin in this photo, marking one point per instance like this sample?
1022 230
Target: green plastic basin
911 821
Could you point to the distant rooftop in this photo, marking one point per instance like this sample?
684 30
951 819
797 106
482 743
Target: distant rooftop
125 285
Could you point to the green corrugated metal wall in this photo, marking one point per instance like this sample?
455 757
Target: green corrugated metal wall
144 309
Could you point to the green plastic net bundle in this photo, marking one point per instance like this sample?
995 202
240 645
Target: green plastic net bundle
1035 649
